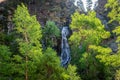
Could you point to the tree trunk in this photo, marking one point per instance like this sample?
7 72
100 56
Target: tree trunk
26 71
26 58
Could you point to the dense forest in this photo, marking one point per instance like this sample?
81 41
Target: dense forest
76 45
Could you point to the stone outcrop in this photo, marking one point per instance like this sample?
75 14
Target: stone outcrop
55 10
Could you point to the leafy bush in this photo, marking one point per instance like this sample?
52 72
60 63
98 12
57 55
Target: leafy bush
50 34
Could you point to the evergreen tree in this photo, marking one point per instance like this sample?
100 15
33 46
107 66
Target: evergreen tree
50 68
110 60
28 37
71 70
105 58
5 63
87 30
50 34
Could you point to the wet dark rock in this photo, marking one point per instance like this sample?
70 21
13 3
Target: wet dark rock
102 13
114 47
100 8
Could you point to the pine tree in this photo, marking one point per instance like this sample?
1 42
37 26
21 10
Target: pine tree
105 55
50 34
50 68
28 37
87 30
5 63
71 70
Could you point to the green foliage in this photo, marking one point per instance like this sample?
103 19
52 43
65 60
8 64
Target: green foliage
28 37
5 63
50 33
117 31
114 14
30 59
87 30
111 62
93 61
105 56
51 29
71 70
91 67
50 68
28 30
2 37
117 75
27 25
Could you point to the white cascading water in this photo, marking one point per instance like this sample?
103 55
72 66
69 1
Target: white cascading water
65 50
82 4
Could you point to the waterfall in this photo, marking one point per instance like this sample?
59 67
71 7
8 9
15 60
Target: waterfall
83 5
65 53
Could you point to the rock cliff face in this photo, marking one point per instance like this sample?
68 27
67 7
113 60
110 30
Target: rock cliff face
55 10
100 8
61 10
102 12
